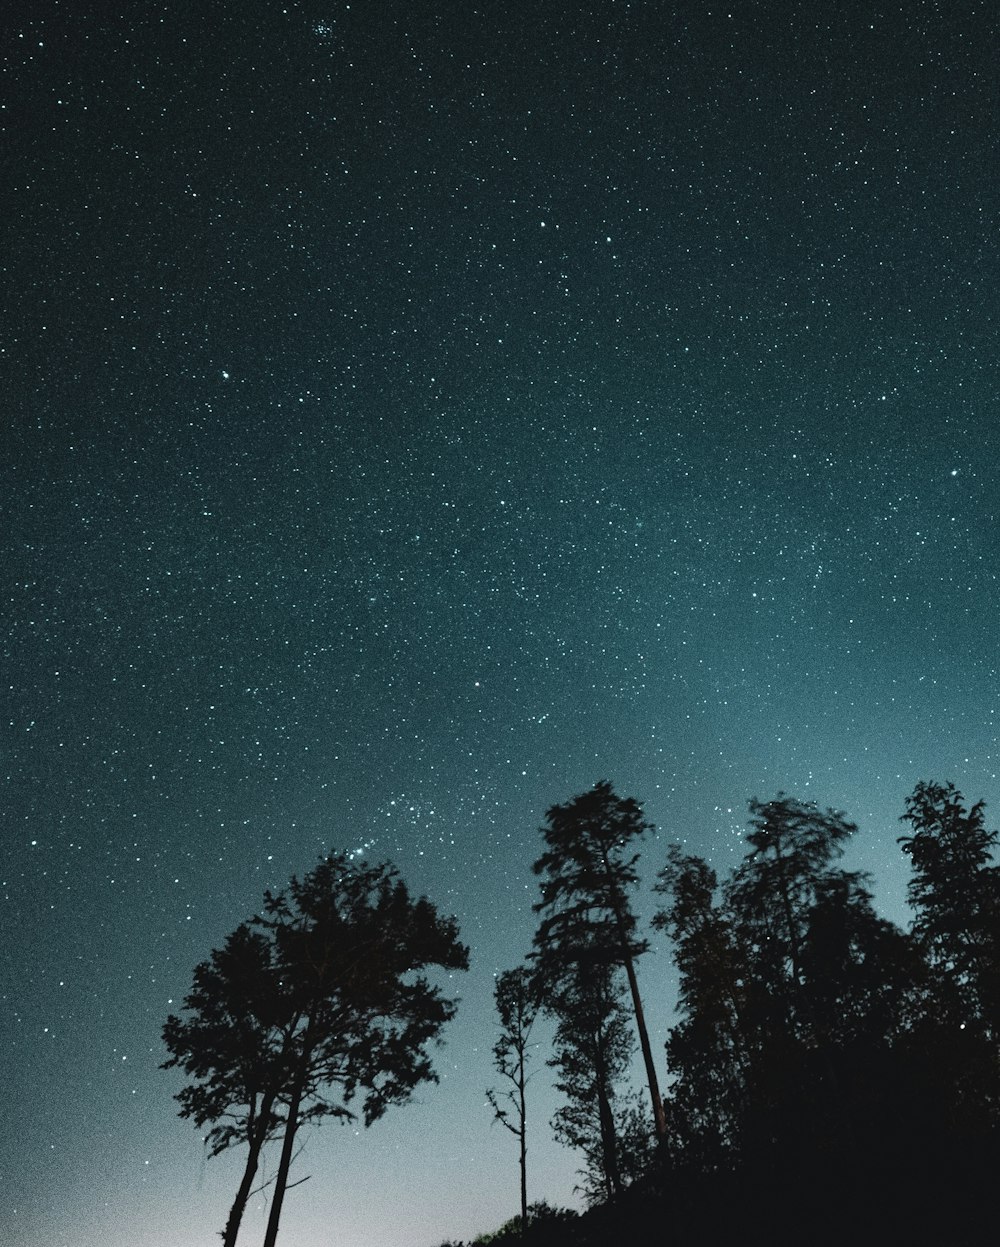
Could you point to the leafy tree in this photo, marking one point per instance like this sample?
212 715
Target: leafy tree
588 869
708 1049
593 1047
794 997
341 1008
636 1143
773 898
234 1044
517 1006
955 894
793 847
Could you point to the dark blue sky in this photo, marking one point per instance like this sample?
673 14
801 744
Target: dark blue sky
415 414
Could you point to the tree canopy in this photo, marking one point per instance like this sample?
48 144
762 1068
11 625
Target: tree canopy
320 1000
814 1040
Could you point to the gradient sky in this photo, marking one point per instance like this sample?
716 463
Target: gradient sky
412 414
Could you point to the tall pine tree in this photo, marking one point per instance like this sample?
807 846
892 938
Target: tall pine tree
588 870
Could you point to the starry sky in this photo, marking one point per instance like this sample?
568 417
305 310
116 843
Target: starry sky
412 414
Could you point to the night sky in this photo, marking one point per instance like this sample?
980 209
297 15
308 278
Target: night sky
413 414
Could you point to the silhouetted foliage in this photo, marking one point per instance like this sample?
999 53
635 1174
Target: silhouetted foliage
818 1040
542 1223
234 1044
546 1226
793 993
832 1077
955 894
592 1050
588 870
708 1050
319 1000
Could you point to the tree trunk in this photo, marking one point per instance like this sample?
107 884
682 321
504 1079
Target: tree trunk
617 907
523 1138
284 1164
258 1134
659 1119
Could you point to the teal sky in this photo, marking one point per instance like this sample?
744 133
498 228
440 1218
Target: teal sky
414 414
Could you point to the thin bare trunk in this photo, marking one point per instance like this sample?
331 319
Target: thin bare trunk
523 1139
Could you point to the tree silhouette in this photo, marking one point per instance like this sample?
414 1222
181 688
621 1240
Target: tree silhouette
517 1006
772 897
793 847
795 998
955 894
235 1045
708 1050
588 869
593 1046
341 1008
